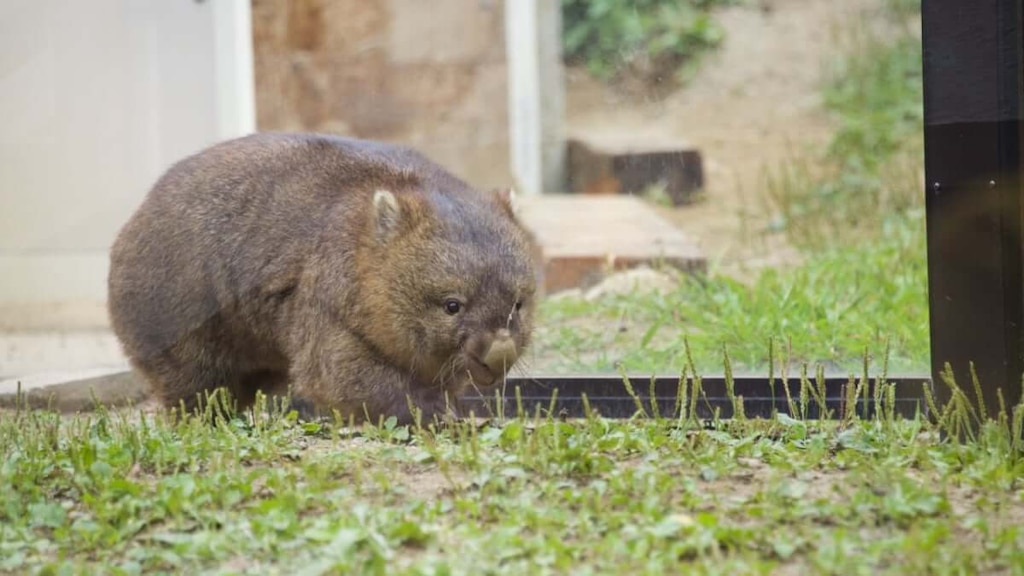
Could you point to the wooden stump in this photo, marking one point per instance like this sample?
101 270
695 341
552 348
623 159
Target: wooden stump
630 166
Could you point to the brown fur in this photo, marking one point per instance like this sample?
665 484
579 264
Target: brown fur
322 265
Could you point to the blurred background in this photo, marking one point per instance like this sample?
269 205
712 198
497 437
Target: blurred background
714 181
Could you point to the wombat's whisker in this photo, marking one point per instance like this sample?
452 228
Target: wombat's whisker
446 374
521 368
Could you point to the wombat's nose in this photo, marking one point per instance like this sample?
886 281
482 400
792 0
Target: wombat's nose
502 353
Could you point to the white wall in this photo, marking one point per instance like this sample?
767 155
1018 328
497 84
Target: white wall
97 98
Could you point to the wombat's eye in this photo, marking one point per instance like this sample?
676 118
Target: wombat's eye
519 305
452 307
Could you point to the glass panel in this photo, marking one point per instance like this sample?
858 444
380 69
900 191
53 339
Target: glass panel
751 169
807 118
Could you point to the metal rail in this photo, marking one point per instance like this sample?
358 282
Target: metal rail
762 397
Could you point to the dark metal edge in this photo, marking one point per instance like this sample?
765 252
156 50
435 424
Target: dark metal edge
762 397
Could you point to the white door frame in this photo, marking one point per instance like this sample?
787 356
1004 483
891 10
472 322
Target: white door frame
236 84
536 95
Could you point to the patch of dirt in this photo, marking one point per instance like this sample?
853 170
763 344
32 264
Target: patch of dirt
752 477
430 483
752 103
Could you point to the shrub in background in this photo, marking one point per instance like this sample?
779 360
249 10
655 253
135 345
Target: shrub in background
653 41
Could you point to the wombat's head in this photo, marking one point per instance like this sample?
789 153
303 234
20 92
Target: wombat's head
453 284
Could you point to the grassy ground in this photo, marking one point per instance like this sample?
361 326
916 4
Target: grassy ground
120 493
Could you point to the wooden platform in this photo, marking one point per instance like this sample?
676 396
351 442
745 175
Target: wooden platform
583 237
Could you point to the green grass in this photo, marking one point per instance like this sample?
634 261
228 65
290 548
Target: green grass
829 310
125 493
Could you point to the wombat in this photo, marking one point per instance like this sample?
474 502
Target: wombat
358 276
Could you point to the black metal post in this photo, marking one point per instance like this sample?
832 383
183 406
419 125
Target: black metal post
973 62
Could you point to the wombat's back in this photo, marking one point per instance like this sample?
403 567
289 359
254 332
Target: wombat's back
224 234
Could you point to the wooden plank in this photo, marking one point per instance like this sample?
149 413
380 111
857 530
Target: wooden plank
583 237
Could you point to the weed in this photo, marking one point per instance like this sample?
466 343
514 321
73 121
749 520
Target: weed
869 178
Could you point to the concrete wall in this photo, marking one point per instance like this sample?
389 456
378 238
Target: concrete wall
430 73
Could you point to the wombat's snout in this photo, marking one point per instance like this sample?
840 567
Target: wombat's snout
502 353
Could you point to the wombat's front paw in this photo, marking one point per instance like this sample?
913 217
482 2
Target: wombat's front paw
439 411
305 408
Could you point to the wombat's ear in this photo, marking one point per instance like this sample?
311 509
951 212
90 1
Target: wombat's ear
387 214
507 198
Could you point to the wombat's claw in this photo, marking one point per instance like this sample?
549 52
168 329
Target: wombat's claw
440 417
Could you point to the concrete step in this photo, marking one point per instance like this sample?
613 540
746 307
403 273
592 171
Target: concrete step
64 350
74 391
